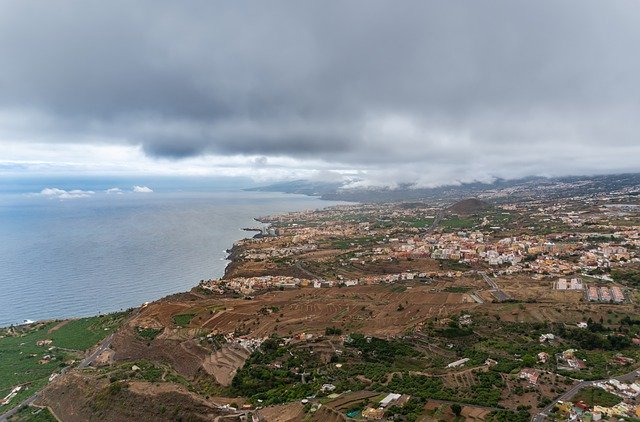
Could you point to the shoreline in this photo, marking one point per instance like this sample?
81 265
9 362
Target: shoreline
230 252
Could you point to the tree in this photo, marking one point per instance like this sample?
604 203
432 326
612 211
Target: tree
456 409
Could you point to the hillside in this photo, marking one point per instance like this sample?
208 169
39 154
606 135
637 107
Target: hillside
470 206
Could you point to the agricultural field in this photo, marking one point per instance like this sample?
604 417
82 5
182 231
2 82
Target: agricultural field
23 362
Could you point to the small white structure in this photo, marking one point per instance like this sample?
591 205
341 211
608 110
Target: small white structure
327 388
546 337
458 363
391 397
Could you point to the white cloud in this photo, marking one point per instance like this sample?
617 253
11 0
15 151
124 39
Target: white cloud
117 191
64 194
142 189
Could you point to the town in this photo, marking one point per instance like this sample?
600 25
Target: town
488 309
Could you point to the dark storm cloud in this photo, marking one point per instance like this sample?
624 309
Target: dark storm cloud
433 91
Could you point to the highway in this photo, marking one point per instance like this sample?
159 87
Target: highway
436 221
495 290
104 345
567 395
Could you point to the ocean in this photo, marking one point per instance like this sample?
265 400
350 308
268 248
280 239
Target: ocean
79 254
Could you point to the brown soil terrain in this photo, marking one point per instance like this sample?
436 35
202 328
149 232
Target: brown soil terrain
357 269
76 397
304 310
373 310
291 412
224 363
470 206
444 413
59 325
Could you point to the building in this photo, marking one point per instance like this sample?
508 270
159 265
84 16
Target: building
373 414
530 375
458 363
391 398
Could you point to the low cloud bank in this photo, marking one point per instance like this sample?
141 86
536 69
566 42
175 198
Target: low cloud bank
142 189
66 194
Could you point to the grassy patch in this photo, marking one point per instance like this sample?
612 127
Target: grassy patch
597 396
183 320
23 362
148 333
81 334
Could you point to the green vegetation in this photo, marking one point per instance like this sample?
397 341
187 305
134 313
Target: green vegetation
375 349
453 265
509 416
418 222
486 393
148 333
81 334
145 371
182 320
455 331
261 379
33 414
626 275
411 410
332 331
597 396
353 242
23 362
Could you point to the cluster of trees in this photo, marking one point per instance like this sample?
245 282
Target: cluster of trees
259 379
487 392
590 340
375 349
628 275
331 331
509 416
410 411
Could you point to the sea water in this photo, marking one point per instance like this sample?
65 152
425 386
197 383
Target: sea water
100 253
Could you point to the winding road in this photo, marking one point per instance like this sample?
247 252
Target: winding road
567 395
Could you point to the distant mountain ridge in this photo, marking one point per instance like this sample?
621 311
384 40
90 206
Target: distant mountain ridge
525 188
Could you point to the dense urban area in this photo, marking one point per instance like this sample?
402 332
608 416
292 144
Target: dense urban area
513 305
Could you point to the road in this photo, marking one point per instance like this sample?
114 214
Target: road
476 298
436 221
495 290
103 345
307 272
567 395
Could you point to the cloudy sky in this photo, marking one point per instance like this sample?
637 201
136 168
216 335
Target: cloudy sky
425 92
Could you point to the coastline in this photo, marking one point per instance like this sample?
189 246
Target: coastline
230 255
130 250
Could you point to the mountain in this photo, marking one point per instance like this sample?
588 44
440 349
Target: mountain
530 188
